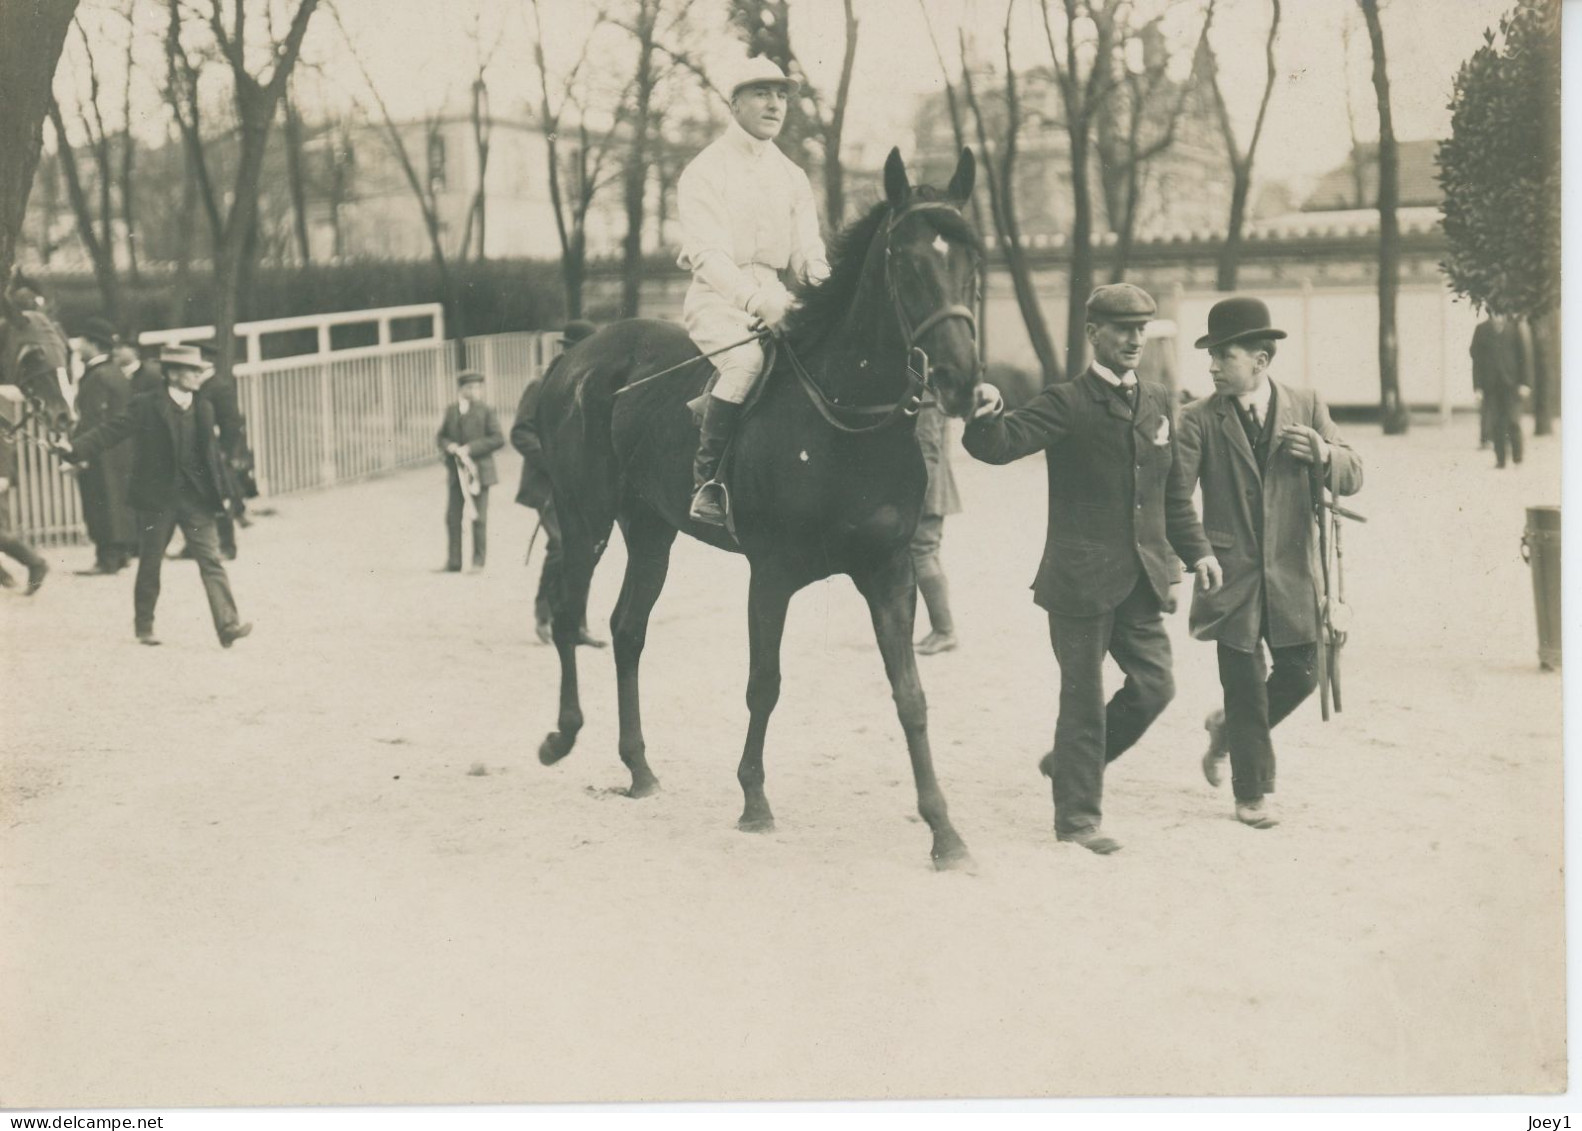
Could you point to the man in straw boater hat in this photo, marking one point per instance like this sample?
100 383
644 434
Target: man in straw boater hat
749 228
1253 444
1115 514
178 479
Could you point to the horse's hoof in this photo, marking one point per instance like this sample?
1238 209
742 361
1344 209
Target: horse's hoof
756 824
645 787
953 857
553 748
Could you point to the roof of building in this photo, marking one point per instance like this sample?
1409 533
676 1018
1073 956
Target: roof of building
1418 178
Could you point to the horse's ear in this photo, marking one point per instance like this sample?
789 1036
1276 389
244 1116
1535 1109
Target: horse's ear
896 189
960 187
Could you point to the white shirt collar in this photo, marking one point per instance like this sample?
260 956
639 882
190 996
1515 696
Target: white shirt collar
1258 399
182 397
462 404
1110 378
746 142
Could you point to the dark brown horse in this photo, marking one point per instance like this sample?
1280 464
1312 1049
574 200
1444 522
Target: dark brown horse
35 357
827 476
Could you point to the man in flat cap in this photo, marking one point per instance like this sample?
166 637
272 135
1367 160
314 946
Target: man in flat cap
469 435
1115 514
178 479
1252 444
534 490
749 229
103 482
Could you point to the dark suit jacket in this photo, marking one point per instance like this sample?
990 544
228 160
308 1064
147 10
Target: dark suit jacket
533 491
102 395
1114 510
479 432
1259 518
148 378
150 421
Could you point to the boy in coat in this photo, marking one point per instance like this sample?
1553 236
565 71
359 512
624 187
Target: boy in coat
1252 444
469 435
1115 514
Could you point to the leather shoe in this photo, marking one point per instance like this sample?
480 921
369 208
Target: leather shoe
1092 840
35 577
146 636
1215 756
1255 814
587 639
934 643
232 633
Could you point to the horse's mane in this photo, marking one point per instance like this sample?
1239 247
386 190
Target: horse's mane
823 306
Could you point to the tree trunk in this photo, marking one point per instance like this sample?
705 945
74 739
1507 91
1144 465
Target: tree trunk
1393 409
1230 251
636 174
35 32
1081 268
100 254
294 180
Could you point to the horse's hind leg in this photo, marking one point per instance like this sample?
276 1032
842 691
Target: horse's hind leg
581 545
768 597
892 603
648 542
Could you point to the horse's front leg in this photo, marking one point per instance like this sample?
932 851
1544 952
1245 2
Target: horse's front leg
768 597
891 592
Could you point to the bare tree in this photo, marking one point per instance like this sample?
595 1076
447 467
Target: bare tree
35 33
257 99
1083 96
586 162
1396 416
1139 124
95 221
292 131
128 143
1240 161
1001 177
482 121
644 26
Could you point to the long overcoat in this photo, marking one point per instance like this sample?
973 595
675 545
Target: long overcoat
103 394
1259 519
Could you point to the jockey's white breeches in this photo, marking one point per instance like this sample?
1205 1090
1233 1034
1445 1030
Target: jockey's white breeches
713 322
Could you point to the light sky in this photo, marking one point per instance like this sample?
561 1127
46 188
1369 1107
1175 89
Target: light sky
421 52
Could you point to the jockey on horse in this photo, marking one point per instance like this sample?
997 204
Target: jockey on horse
747 219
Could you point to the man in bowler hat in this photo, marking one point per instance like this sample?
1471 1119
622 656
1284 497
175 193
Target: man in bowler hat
534 489
177 480
1252 444
103 394
470 433
1115 514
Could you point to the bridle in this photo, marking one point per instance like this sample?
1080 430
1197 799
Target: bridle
32 404
918 386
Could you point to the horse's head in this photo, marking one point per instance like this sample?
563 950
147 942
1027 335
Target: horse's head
932 261
35 358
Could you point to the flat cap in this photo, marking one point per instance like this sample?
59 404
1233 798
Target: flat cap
1121 302
469 377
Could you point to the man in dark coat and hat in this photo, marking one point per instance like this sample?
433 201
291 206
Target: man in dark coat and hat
1115 515
469 435
177 480
534 490
103 394
1252 445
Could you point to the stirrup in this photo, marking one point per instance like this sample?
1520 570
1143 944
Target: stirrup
711 504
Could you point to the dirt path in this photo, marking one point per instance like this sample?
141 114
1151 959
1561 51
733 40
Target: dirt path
277 874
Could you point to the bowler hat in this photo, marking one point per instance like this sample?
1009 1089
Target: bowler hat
1236 320
1121 302
471 376
758 69
98 330
577 329
189 357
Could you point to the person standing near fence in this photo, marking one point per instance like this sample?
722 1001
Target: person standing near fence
11 415
177 480
103 394
1499 376
469 436
939 500
534 489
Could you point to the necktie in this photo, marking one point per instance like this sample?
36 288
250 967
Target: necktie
1129 393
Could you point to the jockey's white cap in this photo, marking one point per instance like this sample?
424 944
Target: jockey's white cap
760 68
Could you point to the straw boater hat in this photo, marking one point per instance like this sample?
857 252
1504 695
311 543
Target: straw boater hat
1237 320
188 357
758 69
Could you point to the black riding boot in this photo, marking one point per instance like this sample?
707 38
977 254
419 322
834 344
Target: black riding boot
719 424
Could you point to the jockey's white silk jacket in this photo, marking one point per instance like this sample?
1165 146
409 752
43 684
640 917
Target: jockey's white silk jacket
747 215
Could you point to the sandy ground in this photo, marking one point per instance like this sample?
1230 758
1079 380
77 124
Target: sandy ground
325 866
